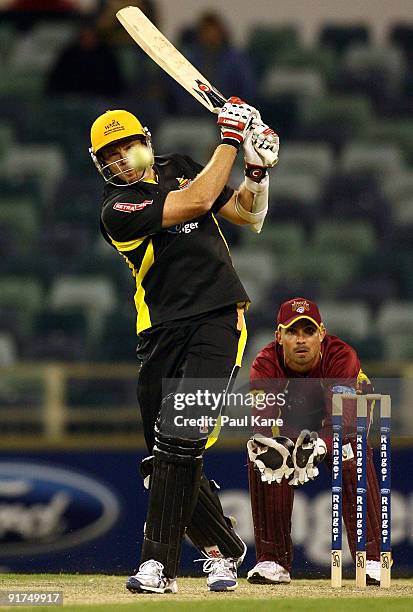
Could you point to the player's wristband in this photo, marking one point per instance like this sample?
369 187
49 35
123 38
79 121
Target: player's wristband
229 140
255 173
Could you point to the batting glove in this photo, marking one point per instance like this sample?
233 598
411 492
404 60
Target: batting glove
271 457
308 452
234 119
265 143
255 168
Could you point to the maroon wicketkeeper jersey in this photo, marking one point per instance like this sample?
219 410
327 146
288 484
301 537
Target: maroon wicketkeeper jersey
305 401
308 405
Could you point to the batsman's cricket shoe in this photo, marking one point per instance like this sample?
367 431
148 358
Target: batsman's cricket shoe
373 573
268 572
150 578
222 574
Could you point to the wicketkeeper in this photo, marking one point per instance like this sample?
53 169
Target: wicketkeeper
162 220
307 366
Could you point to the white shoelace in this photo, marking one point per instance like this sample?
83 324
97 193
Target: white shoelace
216 565
150 564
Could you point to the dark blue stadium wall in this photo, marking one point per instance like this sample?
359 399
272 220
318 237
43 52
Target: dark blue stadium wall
73 511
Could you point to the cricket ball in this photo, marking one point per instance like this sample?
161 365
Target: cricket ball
140 157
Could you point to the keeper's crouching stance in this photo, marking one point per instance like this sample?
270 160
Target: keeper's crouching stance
162 220
307 366
283 464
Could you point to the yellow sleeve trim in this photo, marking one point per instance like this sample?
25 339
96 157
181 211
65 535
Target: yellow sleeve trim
129 245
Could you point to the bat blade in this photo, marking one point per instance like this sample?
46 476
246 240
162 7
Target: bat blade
158 47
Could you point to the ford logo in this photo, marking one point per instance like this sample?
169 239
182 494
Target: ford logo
45 508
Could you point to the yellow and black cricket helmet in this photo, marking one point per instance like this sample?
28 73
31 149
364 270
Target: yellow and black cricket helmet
114 125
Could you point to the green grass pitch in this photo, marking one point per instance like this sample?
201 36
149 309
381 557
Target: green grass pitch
92 593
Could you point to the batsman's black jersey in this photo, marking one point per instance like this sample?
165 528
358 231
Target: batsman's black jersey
180 271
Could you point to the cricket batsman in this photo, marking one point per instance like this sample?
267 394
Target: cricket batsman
160 215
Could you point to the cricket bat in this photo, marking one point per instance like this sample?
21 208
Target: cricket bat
154 43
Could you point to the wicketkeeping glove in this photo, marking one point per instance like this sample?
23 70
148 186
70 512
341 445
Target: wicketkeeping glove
272 457
234 119
308 452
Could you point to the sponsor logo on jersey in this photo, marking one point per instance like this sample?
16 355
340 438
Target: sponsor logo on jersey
300 306
184 228
128 207
183 182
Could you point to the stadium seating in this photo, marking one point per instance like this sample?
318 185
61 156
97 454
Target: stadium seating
59 335
196 138
256 277
398 132
8 38
21 298
336 119
302 82
371 291
371 66
403 211
102 393
340 218
349 320
388 263
283 111
8 349
280 238
302 157
355 237
395 316
35 51
261 337
395 325
294 195
18 224
331 269
6 139
340 37
401 36
46 162
118 340
93 294
267 44
355 196
381 161
315 58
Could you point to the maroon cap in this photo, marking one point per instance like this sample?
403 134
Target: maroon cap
298 308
